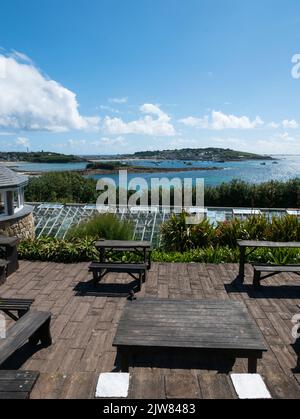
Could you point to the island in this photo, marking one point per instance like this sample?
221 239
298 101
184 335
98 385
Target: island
102 168
219 155
104 164
39 157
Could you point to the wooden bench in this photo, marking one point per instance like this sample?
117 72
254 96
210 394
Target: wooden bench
7 305
34 327
3 270
101 269
17 384
255 244
271 270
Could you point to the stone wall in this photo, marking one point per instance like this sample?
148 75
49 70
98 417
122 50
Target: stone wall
22 227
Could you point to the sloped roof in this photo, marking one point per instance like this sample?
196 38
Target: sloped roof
11 179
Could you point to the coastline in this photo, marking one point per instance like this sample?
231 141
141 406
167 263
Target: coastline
142 169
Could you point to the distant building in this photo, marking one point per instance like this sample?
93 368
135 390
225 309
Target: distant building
16 218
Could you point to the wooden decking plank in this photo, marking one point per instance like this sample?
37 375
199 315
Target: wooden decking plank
282 387
271 309
146 385
80 385
216 386
49 386
182 386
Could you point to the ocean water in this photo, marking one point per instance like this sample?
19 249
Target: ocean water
49 167
286 167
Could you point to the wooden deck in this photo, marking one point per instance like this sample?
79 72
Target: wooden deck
84 326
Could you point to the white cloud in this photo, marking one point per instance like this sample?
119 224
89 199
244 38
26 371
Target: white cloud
286 136
292 124
118 100
273 125
76 143
22 141
30 101
220 121
191 121
278 143
159 126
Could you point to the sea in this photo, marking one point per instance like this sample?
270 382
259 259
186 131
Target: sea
283 167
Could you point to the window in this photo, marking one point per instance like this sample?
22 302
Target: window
2 203
18 199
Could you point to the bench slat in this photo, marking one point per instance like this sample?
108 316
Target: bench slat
14 395
15 304
124 267
277 268
255 243
18 375
15 300
15 386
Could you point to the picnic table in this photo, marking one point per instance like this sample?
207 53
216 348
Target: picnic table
223 328
255 244
140 248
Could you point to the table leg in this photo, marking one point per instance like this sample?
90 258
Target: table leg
124 361
12 257
95 278
102 255
97 275
252 365
242 264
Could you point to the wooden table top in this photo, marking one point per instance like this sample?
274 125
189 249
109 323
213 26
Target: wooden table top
122 244
9 241
257 243
201 324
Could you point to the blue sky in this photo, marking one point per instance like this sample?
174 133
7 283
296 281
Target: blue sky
117 76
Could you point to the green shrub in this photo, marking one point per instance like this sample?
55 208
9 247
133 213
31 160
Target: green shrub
106 226
56 250
63 187
83 250
237 193
175 233
284 229
178 236
228 232
70 187
205 255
